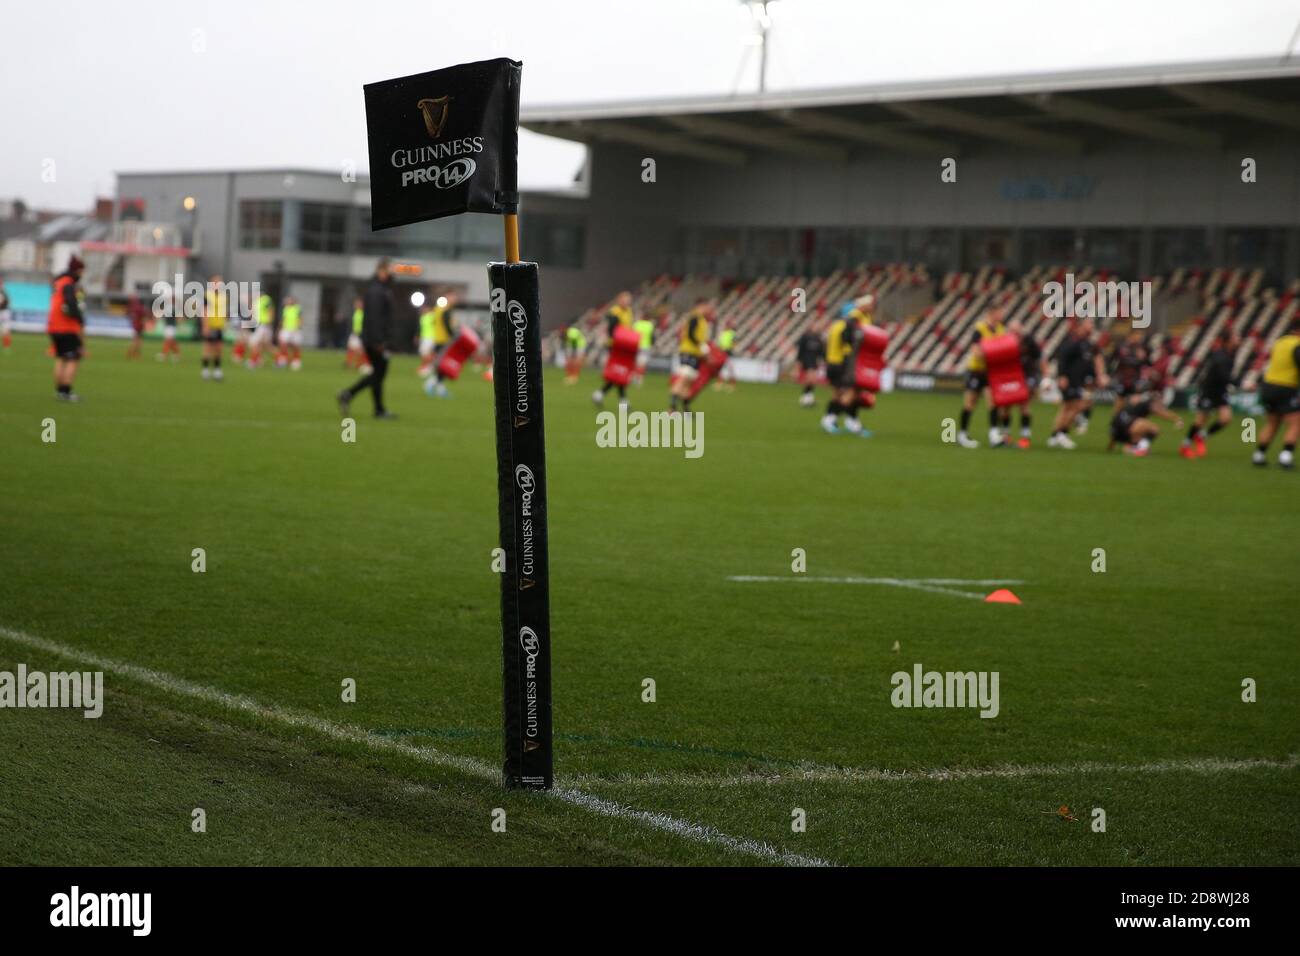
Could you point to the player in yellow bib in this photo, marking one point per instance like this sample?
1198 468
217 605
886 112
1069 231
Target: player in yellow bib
1280 396
645 329
726 375
216 308
977 382
575 348
437 329
261 337
618 314
692 349
356 355
842 340
290 353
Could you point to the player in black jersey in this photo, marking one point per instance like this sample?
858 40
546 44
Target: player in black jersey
1132 426
808 357
1128 363
1078 364
1212 397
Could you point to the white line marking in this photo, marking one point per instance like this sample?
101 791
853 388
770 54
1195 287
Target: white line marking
917 584
469 766
821 774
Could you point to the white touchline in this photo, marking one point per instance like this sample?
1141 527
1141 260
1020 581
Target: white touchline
917 584
816 773
695 832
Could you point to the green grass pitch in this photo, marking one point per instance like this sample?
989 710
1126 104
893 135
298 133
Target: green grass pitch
372 561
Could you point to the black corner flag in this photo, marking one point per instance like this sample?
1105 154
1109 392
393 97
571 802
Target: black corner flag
443 143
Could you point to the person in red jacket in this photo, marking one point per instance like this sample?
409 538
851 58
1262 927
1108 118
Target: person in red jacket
65 326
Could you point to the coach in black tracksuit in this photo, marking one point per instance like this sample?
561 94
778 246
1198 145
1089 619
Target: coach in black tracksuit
376 327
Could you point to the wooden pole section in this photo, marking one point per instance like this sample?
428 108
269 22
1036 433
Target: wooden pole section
512 238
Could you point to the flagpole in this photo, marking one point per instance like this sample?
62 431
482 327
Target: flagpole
512 237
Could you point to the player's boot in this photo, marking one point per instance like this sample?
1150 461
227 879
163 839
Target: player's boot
829 426
218 375
1187 451
1024 441
598 397
206 373
1080 425
1062 441
1286 459
1136 451
1259 459
1200 446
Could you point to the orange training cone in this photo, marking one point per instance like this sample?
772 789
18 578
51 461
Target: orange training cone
1002 596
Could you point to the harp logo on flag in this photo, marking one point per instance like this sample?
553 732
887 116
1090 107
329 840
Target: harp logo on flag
435 110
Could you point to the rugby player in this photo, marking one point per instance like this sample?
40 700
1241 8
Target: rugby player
261 337
1129 362
575 347
290 336
645 328
620 313
1078 363
1280 396
808 358
727 344
216 308
842 340
169 344
135 313
977 382
692 349
64 325
1034 368
1132 426
1212 396
6 333
443 327
356 355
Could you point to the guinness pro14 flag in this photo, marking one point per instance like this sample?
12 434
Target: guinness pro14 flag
444 142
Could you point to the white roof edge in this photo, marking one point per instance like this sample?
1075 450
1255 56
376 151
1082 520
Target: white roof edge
993 85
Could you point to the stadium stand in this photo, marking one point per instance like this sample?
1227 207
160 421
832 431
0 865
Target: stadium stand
930 324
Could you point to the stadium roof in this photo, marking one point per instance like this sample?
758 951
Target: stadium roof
1190 105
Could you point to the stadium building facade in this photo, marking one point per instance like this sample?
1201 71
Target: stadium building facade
1139 171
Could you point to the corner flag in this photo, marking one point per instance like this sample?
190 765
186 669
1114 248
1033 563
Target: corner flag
443 143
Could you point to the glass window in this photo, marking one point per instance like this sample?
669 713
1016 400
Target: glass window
260 223
323 228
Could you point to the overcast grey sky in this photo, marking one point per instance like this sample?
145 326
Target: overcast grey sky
102 86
